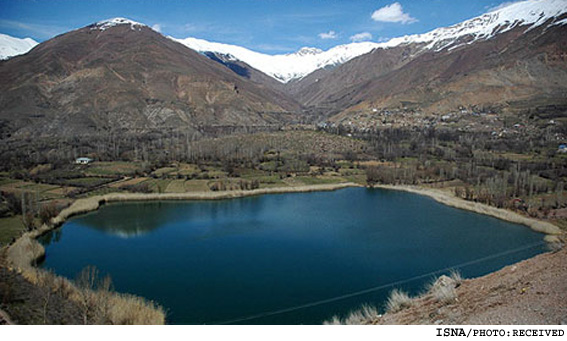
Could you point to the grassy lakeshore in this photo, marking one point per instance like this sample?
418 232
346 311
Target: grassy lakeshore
25 252
92 203
450 200
101 306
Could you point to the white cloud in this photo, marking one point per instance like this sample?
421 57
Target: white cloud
393 13
156 27
36 30
328 35
363 36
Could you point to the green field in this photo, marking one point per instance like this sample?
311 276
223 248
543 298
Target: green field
10 227
113 168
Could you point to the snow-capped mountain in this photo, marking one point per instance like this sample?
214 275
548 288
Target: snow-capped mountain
137 78
120 73
286 67
10 46
291 66
106 24
531 13
510 58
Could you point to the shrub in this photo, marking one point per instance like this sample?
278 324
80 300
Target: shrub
398 301
444 294
444 288
366 314
47 212
100 305
455 275
372 175
13 201
29 222
133 310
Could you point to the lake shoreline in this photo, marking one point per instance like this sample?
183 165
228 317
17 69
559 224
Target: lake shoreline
551 231
91 204
25 252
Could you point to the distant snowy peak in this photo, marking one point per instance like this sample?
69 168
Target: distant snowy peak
10 46
307 50
531 13
106 24
283 67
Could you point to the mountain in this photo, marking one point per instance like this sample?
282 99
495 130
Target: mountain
10 46
529 14
511 58
246 71
284 67
295 66
119 74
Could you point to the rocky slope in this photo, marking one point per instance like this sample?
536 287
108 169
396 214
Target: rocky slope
119 74
513 70
514 58
532 292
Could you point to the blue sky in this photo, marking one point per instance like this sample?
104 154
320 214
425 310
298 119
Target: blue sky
269 26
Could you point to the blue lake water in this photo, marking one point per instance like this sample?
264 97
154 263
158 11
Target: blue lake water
248 260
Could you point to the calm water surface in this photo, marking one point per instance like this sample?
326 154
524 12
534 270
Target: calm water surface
218 261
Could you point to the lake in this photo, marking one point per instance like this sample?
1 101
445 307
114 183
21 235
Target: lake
296 258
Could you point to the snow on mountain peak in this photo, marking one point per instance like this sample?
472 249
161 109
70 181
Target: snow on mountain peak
299 64
286 67
307 50
105 24
10 46
486 26
283 67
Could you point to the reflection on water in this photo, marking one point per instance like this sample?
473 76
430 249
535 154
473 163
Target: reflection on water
129 220
214 261
52 237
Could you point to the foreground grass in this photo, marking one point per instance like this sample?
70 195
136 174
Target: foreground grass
361 316
442 290
89 297
33 296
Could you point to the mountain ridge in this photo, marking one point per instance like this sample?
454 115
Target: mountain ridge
297 65
508 58
110 77
514 71
288 67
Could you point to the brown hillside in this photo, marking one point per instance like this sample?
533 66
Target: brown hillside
514 70
127 78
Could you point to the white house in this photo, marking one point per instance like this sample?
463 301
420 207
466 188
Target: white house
83 161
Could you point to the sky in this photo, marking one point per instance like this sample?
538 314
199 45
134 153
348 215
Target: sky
267 26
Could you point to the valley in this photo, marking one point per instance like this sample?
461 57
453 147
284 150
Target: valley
476 112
